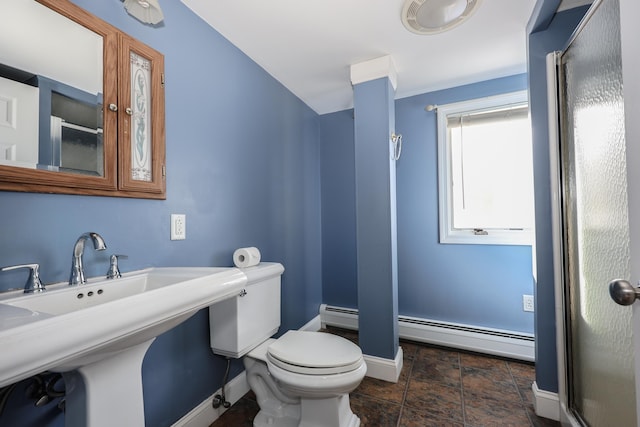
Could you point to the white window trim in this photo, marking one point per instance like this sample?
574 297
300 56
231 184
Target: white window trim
445 209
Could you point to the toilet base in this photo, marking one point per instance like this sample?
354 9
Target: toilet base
281 409
333 411
265 420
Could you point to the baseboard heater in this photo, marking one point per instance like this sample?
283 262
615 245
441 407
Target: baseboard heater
510 344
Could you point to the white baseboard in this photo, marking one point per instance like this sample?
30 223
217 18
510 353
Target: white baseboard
546 403
204 414
498 342
384 369
343 318
312 325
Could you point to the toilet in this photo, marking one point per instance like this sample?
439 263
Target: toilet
302 378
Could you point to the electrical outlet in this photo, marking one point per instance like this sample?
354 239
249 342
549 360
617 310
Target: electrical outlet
178 226
527 302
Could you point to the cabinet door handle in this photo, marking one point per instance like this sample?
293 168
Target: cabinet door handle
113 107
128 110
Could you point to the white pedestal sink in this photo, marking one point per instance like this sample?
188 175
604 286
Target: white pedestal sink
97 335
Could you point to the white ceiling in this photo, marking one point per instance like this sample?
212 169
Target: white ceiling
309 45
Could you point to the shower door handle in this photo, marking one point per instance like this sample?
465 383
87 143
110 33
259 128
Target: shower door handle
623 292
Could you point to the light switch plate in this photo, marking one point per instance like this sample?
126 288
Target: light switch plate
178 226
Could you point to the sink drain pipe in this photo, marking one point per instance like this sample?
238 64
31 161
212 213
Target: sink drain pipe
4 396
42 390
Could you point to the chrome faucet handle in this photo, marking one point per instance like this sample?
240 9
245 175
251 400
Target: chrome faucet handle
33 283
114 271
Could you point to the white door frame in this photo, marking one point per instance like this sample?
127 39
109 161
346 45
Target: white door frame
565 416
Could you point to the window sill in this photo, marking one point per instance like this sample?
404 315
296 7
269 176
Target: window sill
505 237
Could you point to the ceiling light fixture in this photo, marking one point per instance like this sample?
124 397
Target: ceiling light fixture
147 11
436 16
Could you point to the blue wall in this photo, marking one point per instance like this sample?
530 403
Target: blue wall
544 40
434 281
339 261
242 164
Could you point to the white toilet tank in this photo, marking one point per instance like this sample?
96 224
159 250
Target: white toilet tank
239 324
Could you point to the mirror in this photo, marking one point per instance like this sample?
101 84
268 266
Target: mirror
52 79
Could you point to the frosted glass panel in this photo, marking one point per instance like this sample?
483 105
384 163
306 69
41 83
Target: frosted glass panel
602 389
141 118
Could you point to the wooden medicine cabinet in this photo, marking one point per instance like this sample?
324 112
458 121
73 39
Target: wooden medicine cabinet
81 105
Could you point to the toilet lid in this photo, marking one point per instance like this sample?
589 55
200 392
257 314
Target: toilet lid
314 353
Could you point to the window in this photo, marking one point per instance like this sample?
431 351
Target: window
485 169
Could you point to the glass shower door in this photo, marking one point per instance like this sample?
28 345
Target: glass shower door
601 374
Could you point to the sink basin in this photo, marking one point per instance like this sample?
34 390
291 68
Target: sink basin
94 326
65 326
69 299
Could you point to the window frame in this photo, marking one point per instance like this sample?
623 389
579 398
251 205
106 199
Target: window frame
448 234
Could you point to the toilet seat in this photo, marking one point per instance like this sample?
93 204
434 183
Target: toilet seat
317 386
314 353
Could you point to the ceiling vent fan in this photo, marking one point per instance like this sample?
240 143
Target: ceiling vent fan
436 16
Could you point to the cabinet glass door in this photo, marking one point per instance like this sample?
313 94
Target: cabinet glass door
141 118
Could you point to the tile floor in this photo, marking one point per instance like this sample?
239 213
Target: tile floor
437 387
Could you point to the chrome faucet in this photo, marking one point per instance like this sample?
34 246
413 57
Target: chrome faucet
77 270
